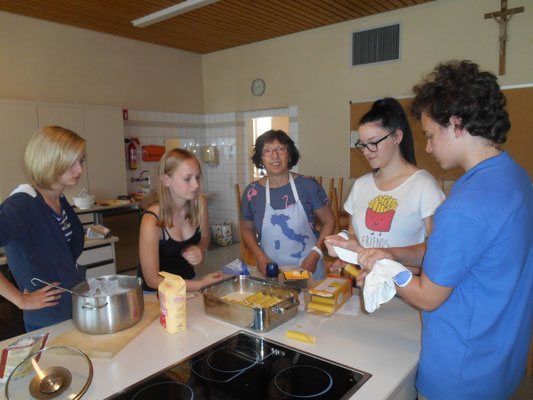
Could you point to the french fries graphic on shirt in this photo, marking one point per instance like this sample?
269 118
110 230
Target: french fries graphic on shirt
380 213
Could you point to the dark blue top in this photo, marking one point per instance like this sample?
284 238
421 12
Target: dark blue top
36 247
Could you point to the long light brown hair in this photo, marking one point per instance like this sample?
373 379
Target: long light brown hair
194 209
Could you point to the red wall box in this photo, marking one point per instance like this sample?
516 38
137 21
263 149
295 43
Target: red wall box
152 152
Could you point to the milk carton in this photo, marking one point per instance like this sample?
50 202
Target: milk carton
172 300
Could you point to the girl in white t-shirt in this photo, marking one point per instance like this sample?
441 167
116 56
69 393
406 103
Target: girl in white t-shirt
393 205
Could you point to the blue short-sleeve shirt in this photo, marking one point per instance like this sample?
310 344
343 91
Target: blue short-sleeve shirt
474 346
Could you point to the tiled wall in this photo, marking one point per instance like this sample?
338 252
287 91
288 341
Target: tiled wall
226 131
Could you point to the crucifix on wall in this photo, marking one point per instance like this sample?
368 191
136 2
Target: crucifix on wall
502 17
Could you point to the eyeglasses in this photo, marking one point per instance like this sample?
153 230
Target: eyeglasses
372 146
267 151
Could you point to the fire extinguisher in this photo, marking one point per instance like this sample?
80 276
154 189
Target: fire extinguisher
132 154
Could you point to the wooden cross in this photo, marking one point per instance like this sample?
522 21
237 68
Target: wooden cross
502 17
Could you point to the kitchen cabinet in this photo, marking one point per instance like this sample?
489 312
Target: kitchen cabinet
102 127
125 225
104 130
18 121
123 221
99 257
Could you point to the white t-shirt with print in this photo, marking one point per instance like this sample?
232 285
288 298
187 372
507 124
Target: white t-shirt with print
393 218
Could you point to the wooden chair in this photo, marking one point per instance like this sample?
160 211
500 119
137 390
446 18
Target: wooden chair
330 190
344 217
339 193
246 254
335 200
316 178
335 207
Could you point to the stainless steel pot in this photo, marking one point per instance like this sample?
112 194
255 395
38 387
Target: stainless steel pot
101 314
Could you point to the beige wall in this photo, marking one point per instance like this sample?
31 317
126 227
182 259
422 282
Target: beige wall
44 61
312 70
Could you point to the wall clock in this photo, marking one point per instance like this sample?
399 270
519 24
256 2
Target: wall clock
258 87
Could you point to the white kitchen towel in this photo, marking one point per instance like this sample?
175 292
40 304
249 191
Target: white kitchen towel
380 283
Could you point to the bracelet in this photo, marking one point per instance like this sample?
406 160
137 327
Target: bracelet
344 234
315 248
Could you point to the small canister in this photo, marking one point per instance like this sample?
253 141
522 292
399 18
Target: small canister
272 271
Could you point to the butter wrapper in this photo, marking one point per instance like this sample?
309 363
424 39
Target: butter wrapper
294 275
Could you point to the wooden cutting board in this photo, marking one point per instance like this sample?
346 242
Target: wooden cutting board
106 346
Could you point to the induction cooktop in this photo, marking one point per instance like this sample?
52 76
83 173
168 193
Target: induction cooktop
246 366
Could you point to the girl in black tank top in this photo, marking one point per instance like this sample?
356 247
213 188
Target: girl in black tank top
181 212
170 258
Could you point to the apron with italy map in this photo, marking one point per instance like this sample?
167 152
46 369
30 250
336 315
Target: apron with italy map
286 235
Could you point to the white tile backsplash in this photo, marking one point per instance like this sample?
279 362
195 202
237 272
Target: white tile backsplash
224 130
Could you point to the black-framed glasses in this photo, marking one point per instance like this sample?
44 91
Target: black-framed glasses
268 151
372 146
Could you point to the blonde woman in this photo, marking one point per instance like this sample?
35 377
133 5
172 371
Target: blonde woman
40 231
175 231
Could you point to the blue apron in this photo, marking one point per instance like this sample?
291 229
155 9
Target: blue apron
286 235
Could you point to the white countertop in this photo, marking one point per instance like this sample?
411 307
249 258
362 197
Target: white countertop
99 208
87 245
386 344
97 242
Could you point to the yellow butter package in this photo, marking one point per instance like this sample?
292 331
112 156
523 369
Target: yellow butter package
172 301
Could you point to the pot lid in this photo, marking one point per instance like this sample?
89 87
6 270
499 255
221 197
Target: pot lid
51 373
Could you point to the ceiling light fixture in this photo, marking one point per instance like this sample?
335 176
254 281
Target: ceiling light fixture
170 12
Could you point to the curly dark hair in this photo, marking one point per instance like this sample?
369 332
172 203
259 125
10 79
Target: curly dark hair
459 88
390 115
269 137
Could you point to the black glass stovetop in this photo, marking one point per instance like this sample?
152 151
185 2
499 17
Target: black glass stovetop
245 366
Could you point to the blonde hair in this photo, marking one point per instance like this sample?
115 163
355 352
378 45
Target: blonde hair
50 152
194 209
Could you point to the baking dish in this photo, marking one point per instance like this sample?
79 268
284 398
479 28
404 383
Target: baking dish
258 319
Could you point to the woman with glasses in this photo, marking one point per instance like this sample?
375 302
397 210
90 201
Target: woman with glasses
393 205
280 209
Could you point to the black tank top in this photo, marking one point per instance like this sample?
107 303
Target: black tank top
170 258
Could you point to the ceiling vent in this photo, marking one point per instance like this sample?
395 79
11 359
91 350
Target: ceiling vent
376 45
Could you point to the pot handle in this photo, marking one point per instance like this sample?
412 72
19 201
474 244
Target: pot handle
89 307
51 284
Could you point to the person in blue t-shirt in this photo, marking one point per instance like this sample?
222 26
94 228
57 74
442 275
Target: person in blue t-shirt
476 286
42 235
